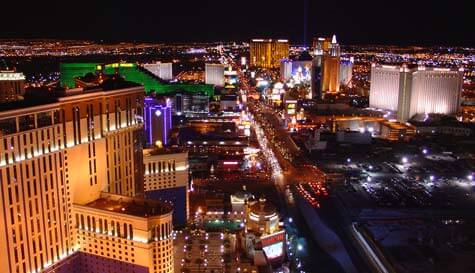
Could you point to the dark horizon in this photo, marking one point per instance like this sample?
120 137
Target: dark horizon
355 23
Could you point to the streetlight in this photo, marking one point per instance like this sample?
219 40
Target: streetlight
404 160
431 178
424 151
470 177
348 160
291 220
299 247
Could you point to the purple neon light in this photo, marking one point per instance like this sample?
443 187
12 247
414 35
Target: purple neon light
150 125
165 129
166 110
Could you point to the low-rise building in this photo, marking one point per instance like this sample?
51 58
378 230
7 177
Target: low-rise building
263 232
117 234
166 178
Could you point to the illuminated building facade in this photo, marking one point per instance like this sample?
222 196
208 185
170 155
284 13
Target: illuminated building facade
57 158
230 77
157 121
162 70
116 234
12 86
396 131
268 53
243 61
166 178
346 71
325 67
262 231
330 74
214 74
331 68
298 70
285 70
435 90
419 90
384 89
239 200
321 45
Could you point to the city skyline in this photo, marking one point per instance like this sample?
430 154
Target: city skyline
402 23
237 137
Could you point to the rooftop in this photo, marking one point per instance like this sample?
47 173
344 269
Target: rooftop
163 151
397 125
436 120
9 75
130 206
40 96
415 68
262 208
133 73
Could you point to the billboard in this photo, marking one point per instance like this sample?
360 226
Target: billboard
273 245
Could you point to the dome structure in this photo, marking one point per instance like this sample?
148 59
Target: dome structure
262 217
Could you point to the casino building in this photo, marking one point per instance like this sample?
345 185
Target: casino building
71 175
267 53
214 74
12 85
263 233
415 90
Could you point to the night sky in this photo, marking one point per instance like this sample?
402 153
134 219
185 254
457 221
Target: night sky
402 22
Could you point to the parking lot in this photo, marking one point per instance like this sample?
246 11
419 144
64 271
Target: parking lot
402 176
424 246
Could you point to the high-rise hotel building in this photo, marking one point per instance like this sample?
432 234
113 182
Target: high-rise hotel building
70 170
267 53
418 90
326 67
12 85
331 68
162 70
214 74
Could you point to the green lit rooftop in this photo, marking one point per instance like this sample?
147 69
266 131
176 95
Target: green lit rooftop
131 72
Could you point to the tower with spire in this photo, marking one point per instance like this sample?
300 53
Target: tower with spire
334 47
326 66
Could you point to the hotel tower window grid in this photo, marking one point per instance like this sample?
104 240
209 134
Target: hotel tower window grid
43 172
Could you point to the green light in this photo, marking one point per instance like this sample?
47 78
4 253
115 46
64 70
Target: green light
131 72
69 71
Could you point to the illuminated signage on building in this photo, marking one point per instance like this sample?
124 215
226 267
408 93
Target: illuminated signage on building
273 238
273 245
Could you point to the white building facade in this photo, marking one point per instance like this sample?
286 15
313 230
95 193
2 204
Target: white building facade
384 89
214 74
162 70
346 71
436 90
411 91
